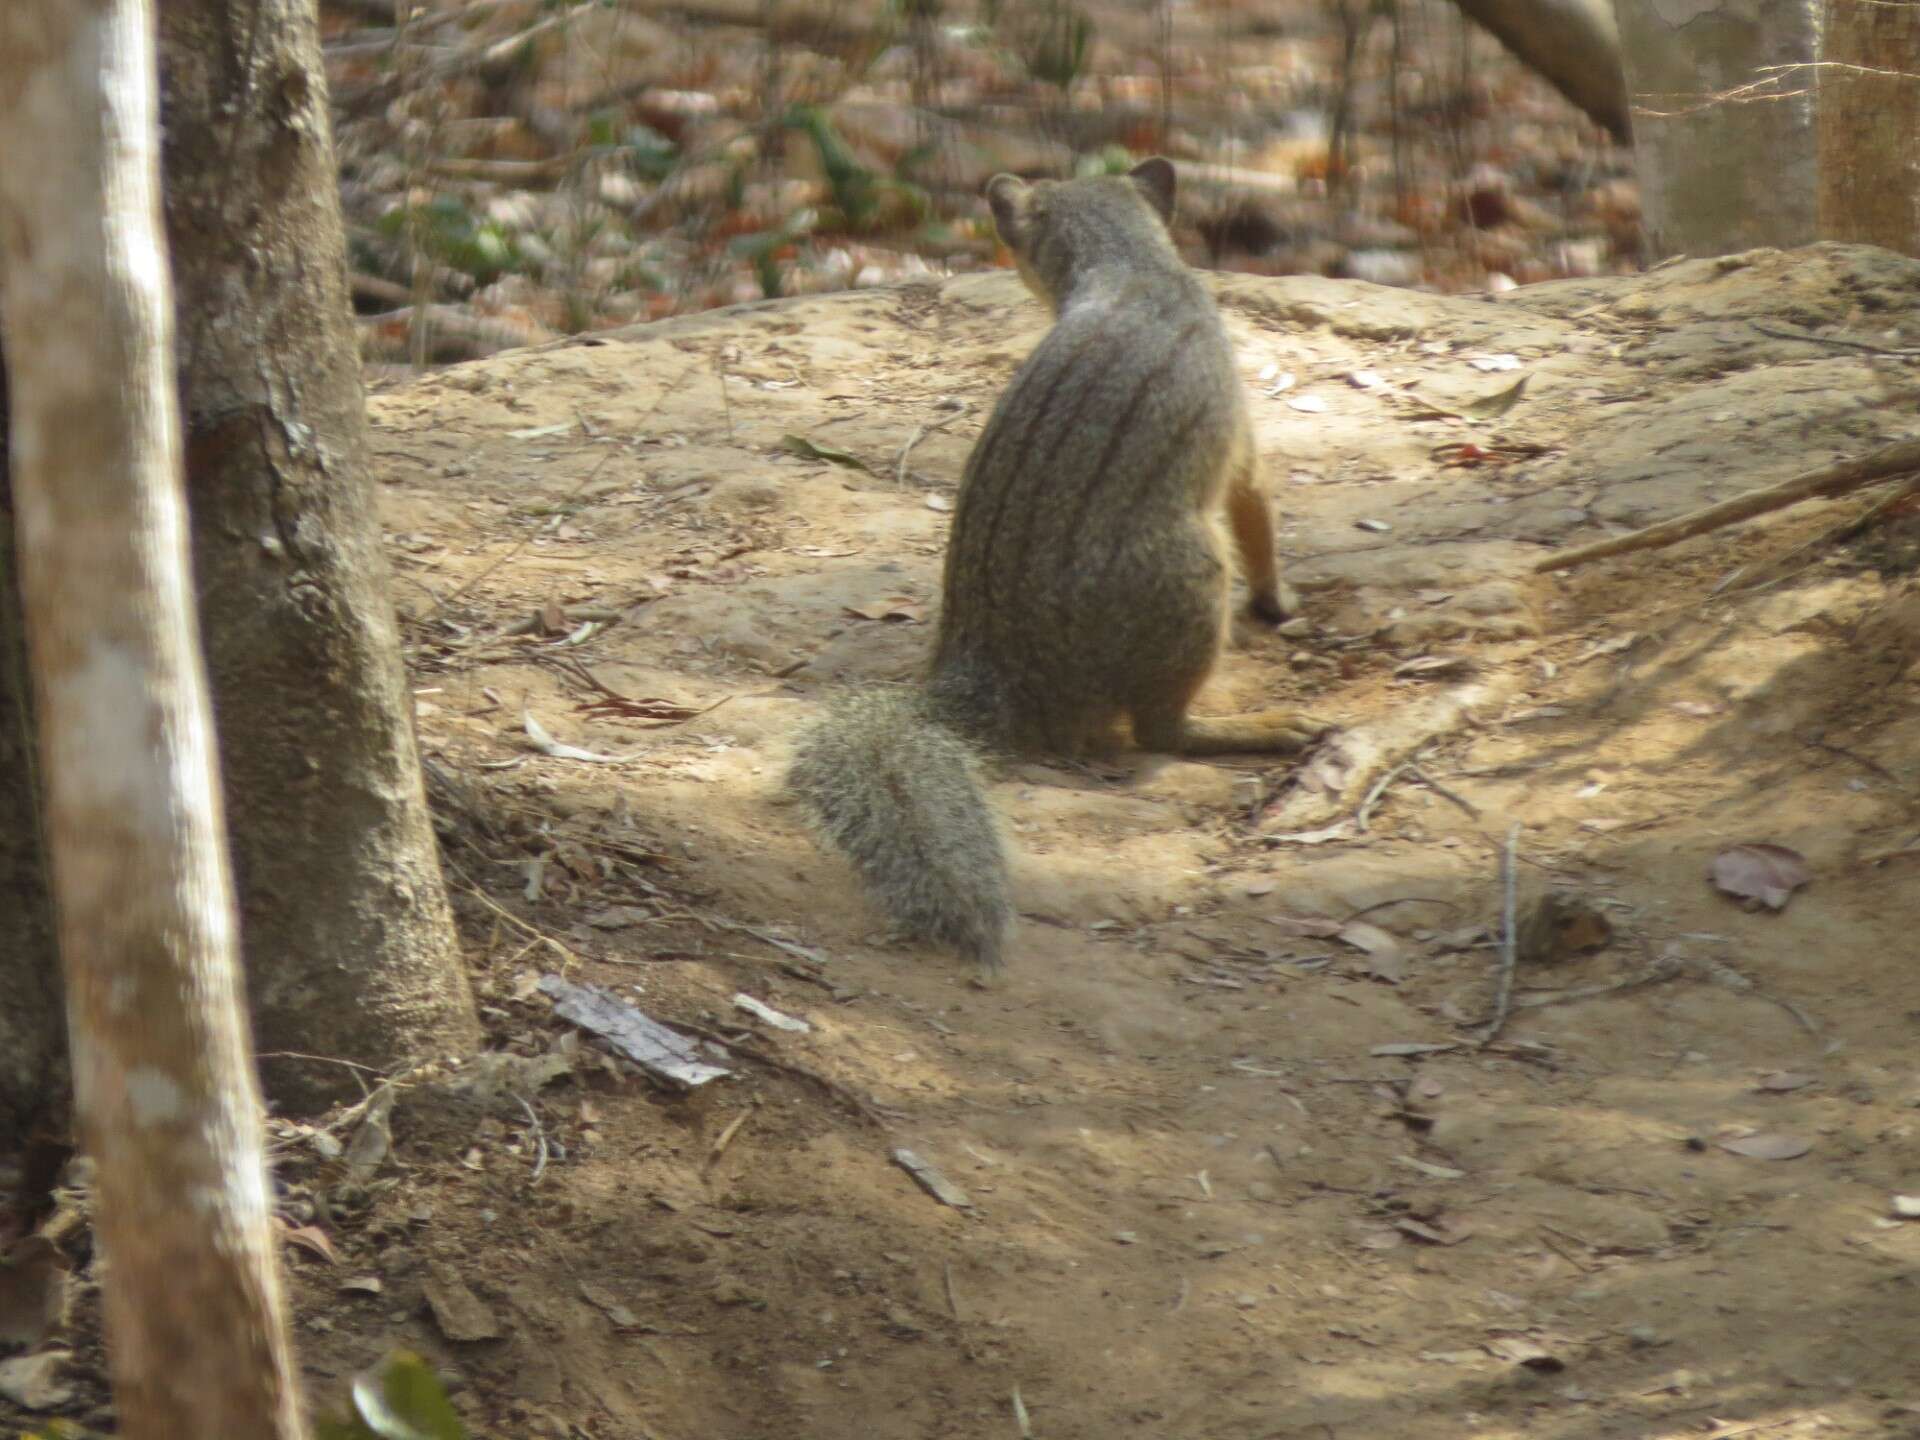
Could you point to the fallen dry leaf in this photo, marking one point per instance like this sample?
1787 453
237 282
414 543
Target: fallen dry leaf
1760 872
900 608
311 1238
1768 1145
1519 1350
1387 958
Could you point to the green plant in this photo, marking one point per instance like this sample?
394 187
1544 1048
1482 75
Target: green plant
402 1400
854 188
1054 42
455 237
1108 160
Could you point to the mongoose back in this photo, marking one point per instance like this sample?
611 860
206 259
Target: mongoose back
1086 589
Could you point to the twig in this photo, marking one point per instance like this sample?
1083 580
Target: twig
539 1133
1887 463
725 1138
953 1295
1366 910
451 332
329 1059
567 956
861 1106
1372 795
387 292
920 432
1442 791
1547 1239
1845 530
1899 852
522 173
1905 353
1654 975
567 500
1509 939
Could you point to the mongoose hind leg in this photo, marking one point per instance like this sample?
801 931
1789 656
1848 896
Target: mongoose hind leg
1275 732
1251 522
1163 725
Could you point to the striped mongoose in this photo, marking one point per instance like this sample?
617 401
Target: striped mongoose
1086 575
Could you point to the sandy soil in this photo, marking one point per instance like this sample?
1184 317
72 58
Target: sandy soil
1204 1200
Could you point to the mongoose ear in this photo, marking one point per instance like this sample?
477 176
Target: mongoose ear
1155 179
1009 196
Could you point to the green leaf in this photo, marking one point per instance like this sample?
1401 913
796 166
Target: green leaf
1487 407
403 1400
811 450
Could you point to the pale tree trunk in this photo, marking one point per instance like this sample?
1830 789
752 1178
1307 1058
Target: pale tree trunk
1870 123
350 946
163 1081
1573 44
1722 166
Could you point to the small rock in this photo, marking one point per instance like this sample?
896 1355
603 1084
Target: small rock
462 1316
36 1382
1382 267
748 493
1183 780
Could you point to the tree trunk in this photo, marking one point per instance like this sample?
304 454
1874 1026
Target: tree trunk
1725 149
163 1081
1573 44
350 945
31 1081
1870 124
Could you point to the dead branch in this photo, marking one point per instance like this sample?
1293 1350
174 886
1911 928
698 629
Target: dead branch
457 335
1892 461
1509 940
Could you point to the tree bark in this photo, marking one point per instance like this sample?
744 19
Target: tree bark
31 1074
349 940
1572 44
1726 154
163 1080
1869 124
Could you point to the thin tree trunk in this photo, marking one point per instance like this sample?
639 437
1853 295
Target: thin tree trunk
1870 124
350 945
163 1080
31 1080
1724 144
1573 44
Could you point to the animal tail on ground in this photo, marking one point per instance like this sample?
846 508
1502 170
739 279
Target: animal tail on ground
900 794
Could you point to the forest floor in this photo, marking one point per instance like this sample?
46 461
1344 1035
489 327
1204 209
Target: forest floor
1235 1160
1204 1199
515 170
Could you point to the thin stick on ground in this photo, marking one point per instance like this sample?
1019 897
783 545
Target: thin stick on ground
1509 939
1888 463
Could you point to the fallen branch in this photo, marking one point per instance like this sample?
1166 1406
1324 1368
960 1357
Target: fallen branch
1840 478
1341 775
1509 939
456 335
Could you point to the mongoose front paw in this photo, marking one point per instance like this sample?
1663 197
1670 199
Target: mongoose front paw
1276 606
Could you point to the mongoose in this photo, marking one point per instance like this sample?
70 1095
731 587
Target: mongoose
1086 577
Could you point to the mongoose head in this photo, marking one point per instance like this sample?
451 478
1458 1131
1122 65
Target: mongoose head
1058 230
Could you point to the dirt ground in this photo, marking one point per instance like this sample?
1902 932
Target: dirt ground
1203 1199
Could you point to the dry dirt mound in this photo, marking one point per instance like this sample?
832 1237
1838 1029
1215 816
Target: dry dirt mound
1205 1200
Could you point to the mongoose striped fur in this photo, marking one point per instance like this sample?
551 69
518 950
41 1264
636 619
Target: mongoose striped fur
1086 591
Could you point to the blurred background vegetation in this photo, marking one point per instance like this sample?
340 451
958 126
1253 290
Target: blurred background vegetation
514 170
